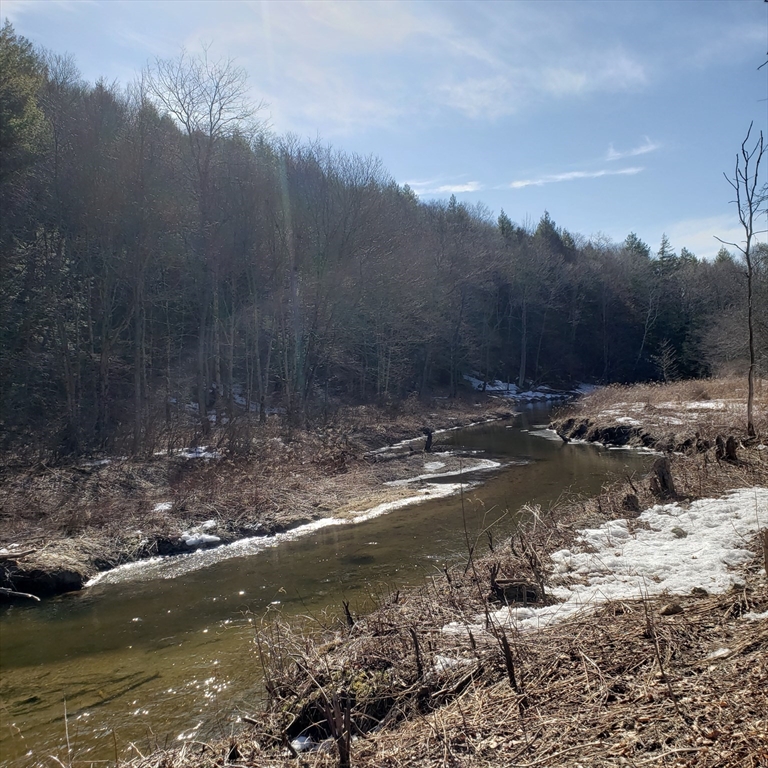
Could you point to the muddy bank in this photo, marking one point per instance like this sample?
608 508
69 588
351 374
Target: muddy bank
59 526
583 428
592 431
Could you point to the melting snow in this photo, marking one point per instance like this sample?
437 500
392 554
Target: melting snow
195 537
507 389
201 452
752 616
170 567
444 663
481 465
616 561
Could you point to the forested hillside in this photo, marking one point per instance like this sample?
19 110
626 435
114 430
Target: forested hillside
165 258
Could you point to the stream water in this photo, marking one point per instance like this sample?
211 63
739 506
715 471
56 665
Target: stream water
163 652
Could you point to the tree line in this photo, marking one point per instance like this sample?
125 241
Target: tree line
169 263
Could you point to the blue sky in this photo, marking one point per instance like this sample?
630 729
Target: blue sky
615 116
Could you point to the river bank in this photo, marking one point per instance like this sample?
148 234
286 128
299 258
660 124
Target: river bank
626 629
60 526
683 417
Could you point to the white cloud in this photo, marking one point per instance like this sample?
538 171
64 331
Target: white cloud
698 235
478 98
562 81
434 187
384 25
643 149
383 61
511 83
572 176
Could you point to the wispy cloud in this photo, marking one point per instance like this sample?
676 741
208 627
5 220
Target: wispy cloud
15 9
434 187
643 149
415 60
699 235
572 176
481 98
509 86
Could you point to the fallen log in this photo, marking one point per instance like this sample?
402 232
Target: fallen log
13 593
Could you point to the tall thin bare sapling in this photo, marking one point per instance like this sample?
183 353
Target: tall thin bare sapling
749 202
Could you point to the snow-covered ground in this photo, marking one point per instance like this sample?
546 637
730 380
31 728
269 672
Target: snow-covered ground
537 394
477 466
670 549
197 452
197 536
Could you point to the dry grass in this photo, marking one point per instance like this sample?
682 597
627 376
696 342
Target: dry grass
691 390
705 406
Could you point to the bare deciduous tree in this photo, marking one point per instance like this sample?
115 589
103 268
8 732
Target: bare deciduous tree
209 100
750 198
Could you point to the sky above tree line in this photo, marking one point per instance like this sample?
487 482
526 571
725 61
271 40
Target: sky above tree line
614 116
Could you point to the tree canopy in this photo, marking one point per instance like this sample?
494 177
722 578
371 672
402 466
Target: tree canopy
169 265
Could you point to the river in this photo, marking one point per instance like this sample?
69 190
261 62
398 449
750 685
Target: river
163 652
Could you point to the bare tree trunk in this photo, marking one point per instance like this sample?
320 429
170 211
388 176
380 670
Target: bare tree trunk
650 319
523 345
216 345
541 340
751 372
231 364
138 349
70 385
202 380
749 201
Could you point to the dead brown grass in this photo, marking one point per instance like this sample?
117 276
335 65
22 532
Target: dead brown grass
705 406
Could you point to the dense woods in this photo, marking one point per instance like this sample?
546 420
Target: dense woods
169 264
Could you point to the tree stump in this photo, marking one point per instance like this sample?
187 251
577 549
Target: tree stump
725 450
662 484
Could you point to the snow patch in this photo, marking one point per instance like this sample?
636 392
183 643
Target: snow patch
509 390
720 653
620 561
201 452
195 537
444 663
432 491
478 466
197 540
172 566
